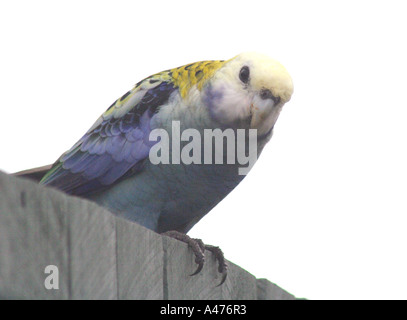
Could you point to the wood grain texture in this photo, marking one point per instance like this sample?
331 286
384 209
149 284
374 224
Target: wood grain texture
267 290
139 262
101 256
33 234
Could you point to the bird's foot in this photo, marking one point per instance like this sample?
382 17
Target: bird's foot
198 248
222 265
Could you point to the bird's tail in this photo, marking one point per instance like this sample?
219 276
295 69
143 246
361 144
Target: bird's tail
35 174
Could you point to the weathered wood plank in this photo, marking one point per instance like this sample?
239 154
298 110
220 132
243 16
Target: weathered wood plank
92 249
33 235
267 290
139 262
239 285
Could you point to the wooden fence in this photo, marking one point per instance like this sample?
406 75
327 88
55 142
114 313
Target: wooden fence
53 246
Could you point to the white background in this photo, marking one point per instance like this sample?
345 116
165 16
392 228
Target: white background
323 212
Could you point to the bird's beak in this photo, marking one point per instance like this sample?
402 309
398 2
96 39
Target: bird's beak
263 117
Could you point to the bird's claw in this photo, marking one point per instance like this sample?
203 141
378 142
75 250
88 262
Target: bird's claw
198 248
222 267
199 254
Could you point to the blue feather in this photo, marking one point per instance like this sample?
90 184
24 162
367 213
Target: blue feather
112 150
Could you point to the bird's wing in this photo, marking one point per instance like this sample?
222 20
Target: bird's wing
117 144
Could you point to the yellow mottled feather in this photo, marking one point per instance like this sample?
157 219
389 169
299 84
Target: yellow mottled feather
184 78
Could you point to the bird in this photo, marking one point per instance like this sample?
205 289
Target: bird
115 162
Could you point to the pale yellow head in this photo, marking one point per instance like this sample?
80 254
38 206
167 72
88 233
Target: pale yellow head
250 88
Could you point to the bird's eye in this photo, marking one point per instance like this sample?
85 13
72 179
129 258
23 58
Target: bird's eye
244 74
